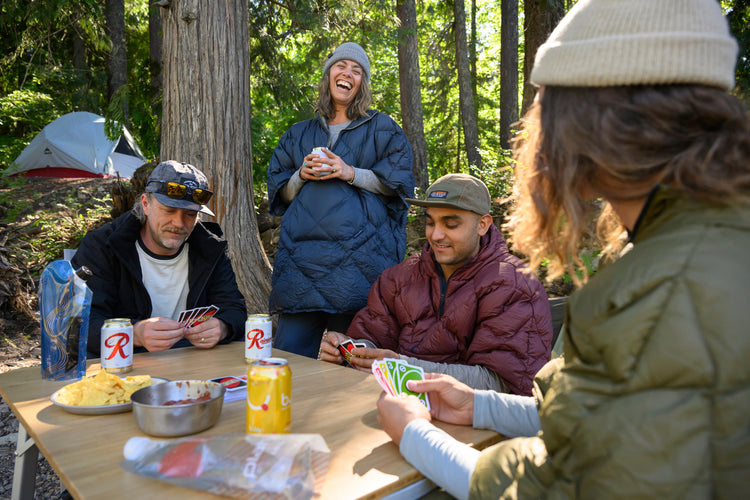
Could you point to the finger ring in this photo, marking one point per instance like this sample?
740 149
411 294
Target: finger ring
304 164
203 339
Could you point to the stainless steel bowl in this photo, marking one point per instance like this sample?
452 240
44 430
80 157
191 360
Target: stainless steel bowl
170 409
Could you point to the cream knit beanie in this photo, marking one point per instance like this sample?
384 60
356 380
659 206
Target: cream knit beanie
602 43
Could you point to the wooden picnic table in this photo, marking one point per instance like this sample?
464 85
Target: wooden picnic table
333 401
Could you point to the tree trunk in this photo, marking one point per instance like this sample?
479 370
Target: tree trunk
117 66
411 90
154 46
508 70
206 122
537 25
466 99
473 50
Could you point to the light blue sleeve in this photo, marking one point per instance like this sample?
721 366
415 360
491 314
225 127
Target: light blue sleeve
509 414
445 461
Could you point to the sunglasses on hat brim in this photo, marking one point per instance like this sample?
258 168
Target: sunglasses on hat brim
182 192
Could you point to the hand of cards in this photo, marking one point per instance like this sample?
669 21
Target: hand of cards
345 348
392 375
194 317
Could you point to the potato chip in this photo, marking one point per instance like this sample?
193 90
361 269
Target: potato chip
102 389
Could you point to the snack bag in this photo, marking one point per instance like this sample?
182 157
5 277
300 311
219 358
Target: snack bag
234 465
64 306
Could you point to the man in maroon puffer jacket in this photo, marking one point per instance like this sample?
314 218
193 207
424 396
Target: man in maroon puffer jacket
465 306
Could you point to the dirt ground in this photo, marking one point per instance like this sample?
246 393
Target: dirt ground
19 317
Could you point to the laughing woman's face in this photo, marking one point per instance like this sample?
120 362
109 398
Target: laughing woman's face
345 80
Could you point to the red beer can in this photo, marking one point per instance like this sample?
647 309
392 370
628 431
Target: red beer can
269 397
117 345
258 337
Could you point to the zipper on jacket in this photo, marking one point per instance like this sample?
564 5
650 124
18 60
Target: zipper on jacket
443 290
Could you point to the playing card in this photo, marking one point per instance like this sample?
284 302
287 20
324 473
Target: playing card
393 374
205 315
185 315
236 387
409 372
377 370
231 383
345 348
196 316
386 375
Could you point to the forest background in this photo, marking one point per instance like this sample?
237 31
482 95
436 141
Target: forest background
452 73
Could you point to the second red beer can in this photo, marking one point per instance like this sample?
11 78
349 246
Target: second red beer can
117 345
258 337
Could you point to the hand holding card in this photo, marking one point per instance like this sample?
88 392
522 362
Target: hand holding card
194 317
393 374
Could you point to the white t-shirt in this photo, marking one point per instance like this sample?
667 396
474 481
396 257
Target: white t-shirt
166 280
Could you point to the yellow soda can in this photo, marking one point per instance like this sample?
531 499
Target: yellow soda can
269 397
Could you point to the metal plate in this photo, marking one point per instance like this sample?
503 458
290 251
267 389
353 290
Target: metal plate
98 410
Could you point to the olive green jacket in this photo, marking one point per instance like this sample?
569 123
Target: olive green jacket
652 399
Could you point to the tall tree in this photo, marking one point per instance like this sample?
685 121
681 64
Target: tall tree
473 50
154 46
466 98
508 70
540 18
206 122
411 89
117 65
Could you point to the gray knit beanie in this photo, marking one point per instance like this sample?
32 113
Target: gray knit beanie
602 43
351 51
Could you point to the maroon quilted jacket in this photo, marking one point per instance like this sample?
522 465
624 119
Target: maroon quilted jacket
493 314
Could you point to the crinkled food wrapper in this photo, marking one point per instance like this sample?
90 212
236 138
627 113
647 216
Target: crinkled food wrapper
263 466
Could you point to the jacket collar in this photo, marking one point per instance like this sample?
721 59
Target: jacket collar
204 243
354 124
665 204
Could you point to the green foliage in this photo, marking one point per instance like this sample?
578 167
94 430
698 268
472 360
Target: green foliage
738 15
497 174
288 46
24 111
53 60
22 114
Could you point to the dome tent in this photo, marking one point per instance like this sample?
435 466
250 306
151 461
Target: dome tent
75 145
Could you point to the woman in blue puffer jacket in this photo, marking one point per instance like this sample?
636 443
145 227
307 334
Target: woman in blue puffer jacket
343 207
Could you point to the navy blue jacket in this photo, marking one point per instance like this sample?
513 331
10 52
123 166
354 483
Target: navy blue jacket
336 239
117 281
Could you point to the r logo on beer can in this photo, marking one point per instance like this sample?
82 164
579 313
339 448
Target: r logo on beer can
117 345
258 337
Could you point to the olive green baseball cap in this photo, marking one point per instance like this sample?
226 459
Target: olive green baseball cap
461 191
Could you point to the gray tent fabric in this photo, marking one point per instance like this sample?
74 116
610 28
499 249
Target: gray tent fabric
75 145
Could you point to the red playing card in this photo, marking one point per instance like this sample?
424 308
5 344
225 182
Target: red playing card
345 348
205 315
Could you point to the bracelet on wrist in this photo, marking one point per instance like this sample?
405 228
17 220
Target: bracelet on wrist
354 172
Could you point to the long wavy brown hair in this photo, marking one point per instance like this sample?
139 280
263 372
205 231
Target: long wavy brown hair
357 108
617 143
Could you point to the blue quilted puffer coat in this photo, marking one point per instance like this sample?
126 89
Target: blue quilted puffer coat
336 239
